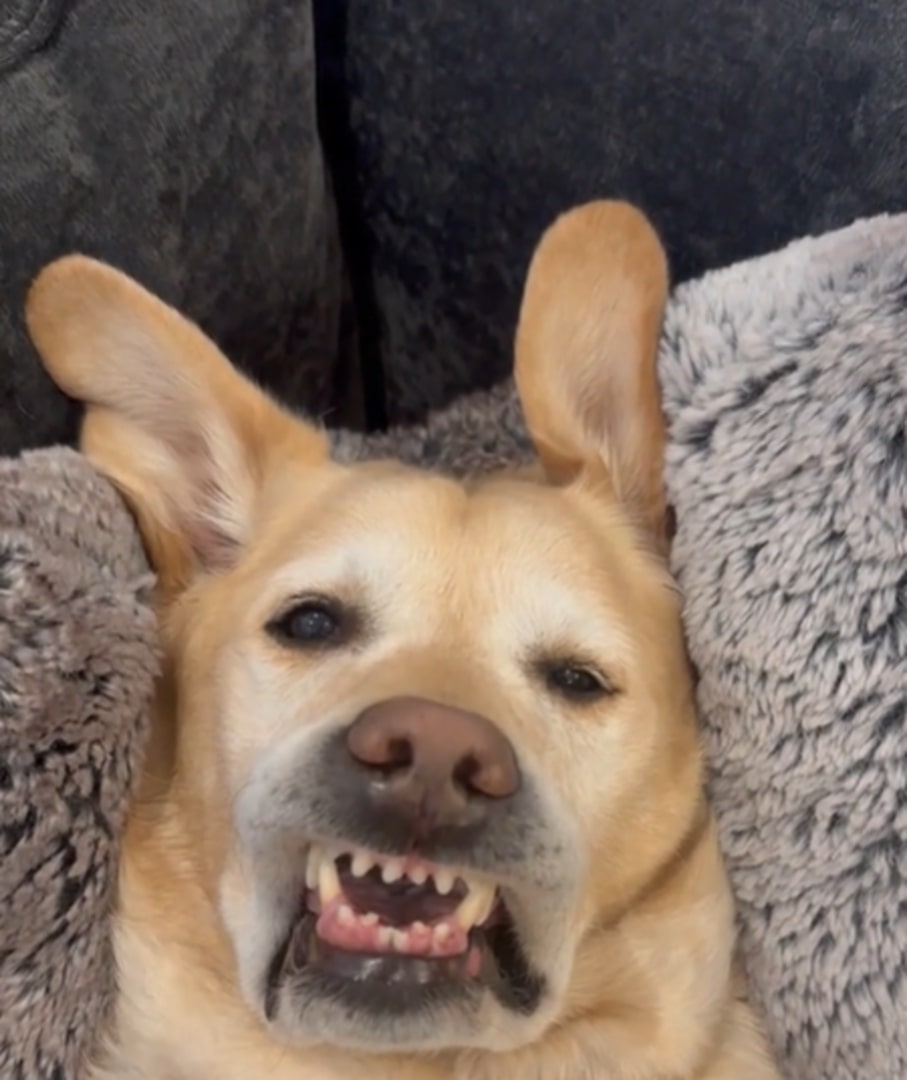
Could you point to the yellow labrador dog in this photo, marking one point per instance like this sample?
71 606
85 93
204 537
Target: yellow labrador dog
424 798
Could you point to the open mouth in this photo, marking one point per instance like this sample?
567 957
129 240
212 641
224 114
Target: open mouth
396 906
380 925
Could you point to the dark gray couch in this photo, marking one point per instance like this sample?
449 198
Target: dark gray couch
179 140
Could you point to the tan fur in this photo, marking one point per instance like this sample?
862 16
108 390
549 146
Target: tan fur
241 507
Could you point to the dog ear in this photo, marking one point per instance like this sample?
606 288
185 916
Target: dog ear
586 351
183 436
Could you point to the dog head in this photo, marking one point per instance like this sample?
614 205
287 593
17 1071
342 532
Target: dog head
432 736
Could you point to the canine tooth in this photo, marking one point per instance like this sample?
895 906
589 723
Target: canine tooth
418 875
370 918
444 881
345 915
328 882
489 898
311 867
476 905
361 864
442 932
392 871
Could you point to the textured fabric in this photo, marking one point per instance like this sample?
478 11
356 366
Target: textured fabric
738 125
786 385
786 394
178 140
77 662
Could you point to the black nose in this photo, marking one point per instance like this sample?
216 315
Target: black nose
434 764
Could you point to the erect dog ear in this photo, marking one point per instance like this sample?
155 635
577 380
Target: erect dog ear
586 352
183 436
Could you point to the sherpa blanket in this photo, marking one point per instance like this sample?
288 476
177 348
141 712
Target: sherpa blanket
786 393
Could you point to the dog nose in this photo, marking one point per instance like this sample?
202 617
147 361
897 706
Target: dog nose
433 761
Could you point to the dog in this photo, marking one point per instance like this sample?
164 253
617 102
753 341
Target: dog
424 796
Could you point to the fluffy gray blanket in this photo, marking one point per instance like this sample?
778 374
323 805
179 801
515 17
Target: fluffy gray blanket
77 665
786 393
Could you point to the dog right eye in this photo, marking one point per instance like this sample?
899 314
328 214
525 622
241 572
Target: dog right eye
310 622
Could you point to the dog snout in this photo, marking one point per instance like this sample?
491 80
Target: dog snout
431 761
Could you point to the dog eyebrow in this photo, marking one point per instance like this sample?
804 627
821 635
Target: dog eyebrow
338 567
552 618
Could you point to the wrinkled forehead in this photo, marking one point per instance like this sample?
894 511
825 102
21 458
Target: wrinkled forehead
441 549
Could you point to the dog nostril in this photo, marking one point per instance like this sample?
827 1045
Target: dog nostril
380 749
399 754
493 780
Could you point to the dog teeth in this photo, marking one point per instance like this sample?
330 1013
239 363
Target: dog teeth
321 874
340 923
362 863
311 868
476 906
392 871
441 932
444 880
399 940
418 875
328 881
346 929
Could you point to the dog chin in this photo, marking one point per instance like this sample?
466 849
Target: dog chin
390 953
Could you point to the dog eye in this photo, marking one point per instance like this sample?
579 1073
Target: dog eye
576 683
310 622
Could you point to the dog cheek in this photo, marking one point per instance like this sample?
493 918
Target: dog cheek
260 705
590 766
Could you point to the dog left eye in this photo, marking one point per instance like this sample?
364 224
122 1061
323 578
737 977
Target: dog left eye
575 682
311 622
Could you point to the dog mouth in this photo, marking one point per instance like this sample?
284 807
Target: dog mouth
385 929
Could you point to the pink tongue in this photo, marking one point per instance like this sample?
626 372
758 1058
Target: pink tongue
343 927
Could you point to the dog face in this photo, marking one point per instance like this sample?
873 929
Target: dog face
432 736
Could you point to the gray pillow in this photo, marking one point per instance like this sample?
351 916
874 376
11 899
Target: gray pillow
77 664
786 388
